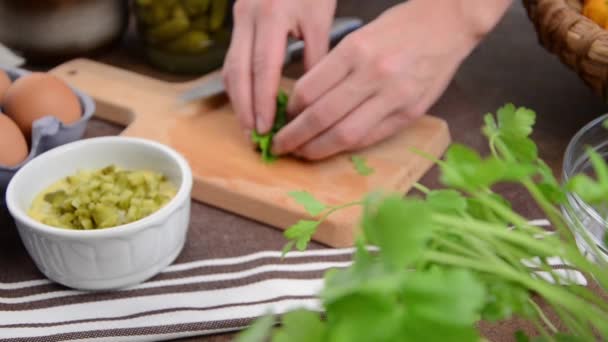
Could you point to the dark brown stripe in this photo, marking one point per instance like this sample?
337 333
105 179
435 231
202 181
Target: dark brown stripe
198 327
206 270
203 286
153 312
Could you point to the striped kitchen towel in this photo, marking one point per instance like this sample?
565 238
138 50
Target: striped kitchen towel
186 299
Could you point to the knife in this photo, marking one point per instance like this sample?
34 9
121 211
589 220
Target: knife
214 86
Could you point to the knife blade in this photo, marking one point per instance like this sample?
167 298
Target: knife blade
341 27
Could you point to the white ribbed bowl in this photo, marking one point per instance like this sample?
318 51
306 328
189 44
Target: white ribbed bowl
110 258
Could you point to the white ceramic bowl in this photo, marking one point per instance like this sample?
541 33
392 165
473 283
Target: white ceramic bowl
110 258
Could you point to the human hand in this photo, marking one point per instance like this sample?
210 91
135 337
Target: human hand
383 76
254 61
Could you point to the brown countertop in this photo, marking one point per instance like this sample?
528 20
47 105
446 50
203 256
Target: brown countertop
509 66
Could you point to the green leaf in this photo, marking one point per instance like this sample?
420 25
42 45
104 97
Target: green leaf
372 278
463 168
587 189
400 228
522 148
287 248
436 311
313 206
300 326
490 127
515 122
505 300
361 165
367 274
549 186
520 336
447 201
258 331
301 233
365 317
264 141
459 303
599 166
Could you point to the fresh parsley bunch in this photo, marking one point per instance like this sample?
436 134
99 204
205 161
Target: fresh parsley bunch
452 257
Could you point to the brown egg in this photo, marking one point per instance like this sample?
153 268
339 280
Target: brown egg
36 95
13 146
5 82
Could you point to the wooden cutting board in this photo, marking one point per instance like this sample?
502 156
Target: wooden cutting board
229 174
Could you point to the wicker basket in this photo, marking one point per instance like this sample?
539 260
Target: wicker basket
579 42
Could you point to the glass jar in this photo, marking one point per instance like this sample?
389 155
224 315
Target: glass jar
184 36
589 223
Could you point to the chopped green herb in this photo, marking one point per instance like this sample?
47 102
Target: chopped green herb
361 165
311 204
264 141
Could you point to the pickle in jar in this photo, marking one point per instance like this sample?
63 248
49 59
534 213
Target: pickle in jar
196 7
191 42
176 25
218 14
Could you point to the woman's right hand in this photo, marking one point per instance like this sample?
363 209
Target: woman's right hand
253 64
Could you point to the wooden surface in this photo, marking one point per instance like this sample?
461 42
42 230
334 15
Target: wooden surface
509 66
228 172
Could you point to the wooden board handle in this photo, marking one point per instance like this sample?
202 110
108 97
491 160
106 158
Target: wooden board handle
119 94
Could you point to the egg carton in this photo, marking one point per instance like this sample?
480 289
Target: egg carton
47 132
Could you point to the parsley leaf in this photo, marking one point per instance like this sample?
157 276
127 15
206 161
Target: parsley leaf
301 233
400 228
428 297
300 326
505 299
463 168
313 206
515 122
364 316
361 166
367 274
513 129
549 186
258 331
436 312
447 201
264 141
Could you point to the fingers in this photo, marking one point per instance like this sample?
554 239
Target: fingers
324 76
386 128
270 43
316 38
322 114
236 71
349 132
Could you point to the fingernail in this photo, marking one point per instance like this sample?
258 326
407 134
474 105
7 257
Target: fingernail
259 123
276 148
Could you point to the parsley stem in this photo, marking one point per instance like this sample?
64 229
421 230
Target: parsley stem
338 207
542 315
507 213
458 248
552 293
572 323
552 214
492 144
541 330
421 188
484 228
